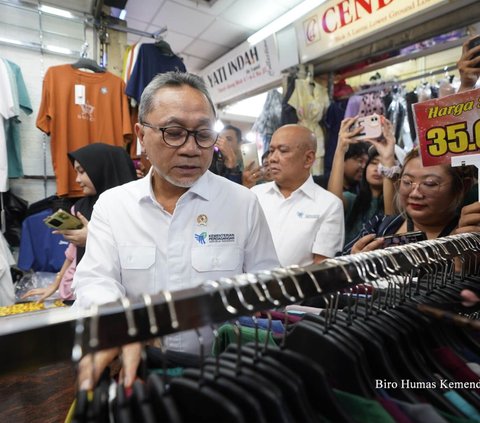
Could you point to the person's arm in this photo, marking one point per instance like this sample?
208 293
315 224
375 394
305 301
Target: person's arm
251 175
50 289
76 236
386 152
467 66
331 232
345 138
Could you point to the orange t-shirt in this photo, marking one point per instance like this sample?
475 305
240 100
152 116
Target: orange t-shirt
104 117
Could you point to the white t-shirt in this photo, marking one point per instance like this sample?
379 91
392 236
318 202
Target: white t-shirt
308 222
7 111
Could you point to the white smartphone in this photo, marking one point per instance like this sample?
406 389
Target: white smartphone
372 127
250 154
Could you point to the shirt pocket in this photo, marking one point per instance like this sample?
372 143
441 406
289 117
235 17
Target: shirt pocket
137 264
210 258
134 257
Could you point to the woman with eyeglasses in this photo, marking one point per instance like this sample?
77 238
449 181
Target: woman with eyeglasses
428 200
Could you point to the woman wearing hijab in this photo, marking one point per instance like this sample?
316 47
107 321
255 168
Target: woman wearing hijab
99 167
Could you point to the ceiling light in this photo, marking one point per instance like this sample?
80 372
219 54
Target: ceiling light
56 49
55 11
286 19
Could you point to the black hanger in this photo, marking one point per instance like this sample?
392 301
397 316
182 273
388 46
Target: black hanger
163 404
244 399
382 368
88 64
140 402
121 406
313 378
164 48
202 404
289 383
270 396
341 365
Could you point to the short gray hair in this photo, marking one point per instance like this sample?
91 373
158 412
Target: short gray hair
170 79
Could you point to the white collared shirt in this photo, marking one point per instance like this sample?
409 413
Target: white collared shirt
134 246
308 222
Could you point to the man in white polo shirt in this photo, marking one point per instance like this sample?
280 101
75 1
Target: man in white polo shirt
305 220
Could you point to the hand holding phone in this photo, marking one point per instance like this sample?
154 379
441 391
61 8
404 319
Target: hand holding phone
249 155
473 43
403 238
372 127
63 220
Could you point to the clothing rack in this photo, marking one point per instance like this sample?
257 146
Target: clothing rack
48 337
388 84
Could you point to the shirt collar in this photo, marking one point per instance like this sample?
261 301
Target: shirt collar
307 188
200 188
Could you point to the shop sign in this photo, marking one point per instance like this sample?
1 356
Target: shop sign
448 127
243 70
337 23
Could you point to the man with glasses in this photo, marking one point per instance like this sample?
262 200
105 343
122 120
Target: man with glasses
175 228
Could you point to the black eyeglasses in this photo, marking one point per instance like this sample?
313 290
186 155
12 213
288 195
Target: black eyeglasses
176 136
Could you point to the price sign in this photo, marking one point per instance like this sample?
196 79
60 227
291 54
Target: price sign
448 127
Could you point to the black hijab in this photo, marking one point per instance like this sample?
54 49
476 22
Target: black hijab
107 166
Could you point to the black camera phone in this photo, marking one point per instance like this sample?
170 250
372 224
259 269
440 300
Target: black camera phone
473 43
404 238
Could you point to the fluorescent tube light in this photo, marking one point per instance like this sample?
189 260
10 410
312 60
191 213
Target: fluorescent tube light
56 49
286 19
55 11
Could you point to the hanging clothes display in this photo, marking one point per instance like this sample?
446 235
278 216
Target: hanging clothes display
7 111
12 126
152 59
79 108
363 354
310 100
270 119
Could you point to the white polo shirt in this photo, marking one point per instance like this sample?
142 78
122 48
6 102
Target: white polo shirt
308 222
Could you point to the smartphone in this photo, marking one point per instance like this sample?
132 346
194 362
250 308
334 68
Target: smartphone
63 220
473 43
250 154
372 127
404 238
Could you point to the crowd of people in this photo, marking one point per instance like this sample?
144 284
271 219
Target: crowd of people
184 221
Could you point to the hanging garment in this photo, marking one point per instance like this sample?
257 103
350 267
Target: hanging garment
310 100
12 125
151 61
7 111
7 294
40 249
289 114
80 108
270 118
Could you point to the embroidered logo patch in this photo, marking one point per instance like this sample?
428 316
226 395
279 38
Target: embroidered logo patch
201 238
303 215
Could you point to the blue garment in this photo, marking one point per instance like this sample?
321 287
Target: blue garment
150 62
247 321
40 249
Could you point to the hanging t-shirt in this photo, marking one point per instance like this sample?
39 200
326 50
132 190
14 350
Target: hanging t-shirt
12 125
102 115
150 61
311 101
7 111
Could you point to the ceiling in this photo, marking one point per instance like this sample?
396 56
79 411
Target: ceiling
199 31
202 31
